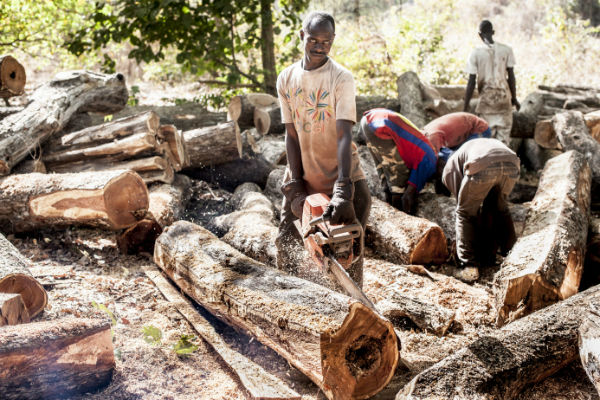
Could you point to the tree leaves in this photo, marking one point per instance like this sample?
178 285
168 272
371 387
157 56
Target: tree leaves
184 345
152 334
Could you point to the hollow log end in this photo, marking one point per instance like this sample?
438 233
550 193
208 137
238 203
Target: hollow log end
33 294
432 248
126 199
360 358
12 75
262 121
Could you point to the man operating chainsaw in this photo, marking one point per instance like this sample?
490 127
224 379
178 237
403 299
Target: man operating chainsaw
318 108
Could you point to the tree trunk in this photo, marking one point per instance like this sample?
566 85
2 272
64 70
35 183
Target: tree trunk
411 98
537 156
341 345
250 228
258 382
573 135
524 125
367 164
592 121
403 238
51 107
589 345
273 189
546 263
366 103
140 237
454 92
12 309
501 364
113 199
213 145
267 120
56 358
267 47
545 135
12 77
16 278
271 149
241 108
174 137
168 202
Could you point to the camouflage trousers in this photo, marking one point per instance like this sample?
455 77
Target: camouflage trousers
391 168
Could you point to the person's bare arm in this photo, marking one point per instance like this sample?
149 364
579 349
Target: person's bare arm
292 148
512 85
469 91
344 148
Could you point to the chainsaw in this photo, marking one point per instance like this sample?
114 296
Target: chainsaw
334 248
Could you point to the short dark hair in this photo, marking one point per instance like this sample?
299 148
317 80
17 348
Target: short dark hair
486 27
317 17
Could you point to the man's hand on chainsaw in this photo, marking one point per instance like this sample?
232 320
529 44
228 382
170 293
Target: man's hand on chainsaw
295 193
341 209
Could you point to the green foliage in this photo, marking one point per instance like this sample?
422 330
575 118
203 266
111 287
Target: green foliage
184 345
133 100
105 309
152 334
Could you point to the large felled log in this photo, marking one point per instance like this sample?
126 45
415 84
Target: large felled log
411 98
536 156
589 345
113 199
403 238
12 309
592 121
545 264
174 137
341 345
232 174
367 164
273 189
258 382
271 149
213 145
241 108
523 125
12 77
16 278
499 365
268 120
54 359
168 202
572 134
251 228
51 107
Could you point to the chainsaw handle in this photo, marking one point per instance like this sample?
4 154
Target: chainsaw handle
318 220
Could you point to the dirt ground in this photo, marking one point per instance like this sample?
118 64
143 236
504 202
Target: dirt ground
80 267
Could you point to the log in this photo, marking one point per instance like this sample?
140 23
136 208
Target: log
454 92
213 145
589 345
545 135
51 107
55 359
268 120
258 382
537 156
168 202
271 149
12 77
502 363
546 262
341 345
16 278
140 237
411 98
174 137
5 111
572 134
273 189
241 108
523 125
159 175
402 238
592 121
111 199
367 164
366 103
12 309
251 228
232 174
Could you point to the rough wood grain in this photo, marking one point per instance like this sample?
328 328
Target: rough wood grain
272 149
403 238
50 108
168 202
411 98
267 120
213 145
259 383
241 108
174 137
113 199
545 264
140 237
545 135
12 309
15 277
12 77
341 345
53 359
499 365
589 344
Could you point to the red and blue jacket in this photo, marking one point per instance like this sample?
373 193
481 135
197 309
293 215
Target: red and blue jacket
413 147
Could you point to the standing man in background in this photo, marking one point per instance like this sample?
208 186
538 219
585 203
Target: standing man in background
491 66
318 109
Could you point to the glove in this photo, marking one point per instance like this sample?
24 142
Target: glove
295 193
409 200
341 209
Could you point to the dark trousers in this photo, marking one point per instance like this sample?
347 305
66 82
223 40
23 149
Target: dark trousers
289 243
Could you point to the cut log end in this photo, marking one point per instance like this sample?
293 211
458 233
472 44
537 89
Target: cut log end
123 206
12 76
140 237
12 309
361 357
33 294
431 248
235 108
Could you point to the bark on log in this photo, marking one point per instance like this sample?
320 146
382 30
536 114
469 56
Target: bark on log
589 345
232 174
524 125
5 111
537 156
403 238
271 149
501 364
168 202
113 199
16 278
54 359
545 264
592 121
12 309
341 345
273 189
241 108
51 107
572 134
213 145
376 187
174 137
251 228
411 98
12 77
259 383
366 103
140 237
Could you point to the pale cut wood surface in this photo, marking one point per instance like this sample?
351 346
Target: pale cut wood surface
12 77
12 309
